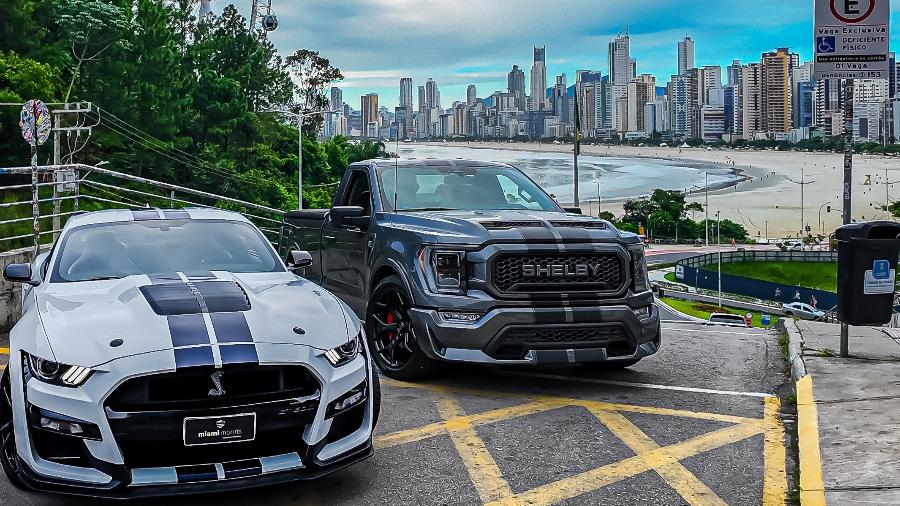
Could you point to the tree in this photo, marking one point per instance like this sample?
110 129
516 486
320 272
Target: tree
21 79
314 75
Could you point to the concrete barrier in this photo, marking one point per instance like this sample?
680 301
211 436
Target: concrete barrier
11 293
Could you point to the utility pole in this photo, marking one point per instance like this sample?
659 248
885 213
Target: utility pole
706 208
719 247
803 182
75 108
848 183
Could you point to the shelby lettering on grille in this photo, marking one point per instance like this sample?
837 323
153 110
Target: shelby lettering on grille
219 429
543 273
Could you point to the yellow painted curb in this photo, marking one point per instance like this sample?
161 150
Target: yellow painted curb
812 485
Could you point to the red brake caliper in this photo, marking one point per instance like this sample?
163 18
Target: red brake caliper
390 320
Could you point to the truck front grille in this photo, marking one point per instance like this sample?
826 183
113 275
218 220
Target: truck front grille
514 342
603 273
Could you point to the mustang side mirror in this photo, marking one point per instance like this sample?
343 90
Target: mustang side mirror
19 273
350 216
299 259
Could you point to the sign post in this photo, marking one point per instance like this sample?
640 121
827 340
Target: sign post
851 41
34 120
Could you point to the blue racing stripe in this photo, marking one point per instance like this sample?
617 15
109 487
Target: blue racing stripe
242 468
187 330
239 354
231 328
190 474
193 357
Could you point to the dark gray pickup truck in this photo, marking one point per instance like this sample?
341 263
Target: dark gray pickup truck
473 262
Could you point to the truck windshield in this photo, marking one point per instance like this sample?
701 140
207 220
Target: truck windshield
466 189
116 250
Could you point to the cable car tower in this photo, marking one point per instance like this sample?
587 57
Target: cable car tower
262 17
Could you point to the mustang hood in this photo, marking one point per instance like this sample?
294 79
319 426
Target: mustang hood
91 323
478 227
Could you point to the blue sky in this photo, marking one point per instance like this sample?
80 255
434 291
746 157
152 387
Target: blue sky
457 42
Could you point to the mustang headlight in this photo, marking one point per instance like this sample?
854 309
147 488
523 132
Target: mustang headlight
55 373
345 352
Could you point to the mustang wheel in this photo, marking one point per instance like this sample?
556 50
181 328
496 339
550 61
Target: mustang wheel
389 330
9 458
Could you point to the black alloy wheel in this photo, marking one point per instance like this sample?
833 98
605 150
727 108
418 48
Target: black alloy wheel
389 330
9 458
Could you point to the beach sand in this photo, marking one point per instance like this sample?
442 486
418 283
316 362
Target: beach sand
769 201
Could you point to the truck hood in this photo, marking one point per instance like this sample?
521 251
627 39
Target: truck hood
479 227
82 319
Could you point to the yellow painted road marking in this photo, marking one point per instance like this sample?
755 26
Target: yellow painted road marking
774 455
483 469
4 351
563 401
687 485
438 428
595 479
812 484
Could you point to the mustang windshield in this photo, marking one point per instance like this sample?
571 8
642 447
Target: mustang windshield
120 249
466 189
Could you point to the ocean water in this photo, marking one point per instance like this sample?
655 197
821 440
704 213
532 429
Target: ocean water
616 178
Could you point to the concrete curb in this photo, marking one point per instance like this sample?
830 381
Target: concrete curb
795 349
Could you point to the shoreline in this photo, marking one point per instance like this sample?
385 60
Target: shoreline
764 200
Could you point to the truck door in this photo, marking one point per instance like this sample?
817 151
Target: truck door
345 248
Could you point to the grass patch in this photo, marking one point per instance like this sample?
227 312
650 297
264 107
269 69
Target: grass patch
783 341
703 310
818 275
670 277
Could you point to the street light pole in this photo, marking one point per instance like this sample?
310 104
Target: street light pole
300 117
719 246
821 223
707 213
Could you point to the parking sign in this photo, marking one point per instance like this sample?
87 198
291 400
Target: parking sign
851 39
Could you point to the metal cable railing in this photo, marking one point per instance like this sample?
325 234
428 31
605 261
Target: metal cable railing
78 188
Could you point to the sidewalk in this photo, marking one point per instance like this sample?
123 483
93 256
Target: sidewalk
848 414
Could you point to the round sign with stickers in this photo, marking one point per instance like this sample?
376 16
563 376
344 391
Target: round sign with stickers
35 122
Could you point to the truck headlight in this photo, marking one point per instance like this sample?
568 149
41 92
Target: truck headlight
345 352
639 261
448 271
55 373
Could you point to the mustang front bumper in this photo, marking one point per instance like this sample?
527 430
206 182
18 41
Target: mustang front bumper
141 452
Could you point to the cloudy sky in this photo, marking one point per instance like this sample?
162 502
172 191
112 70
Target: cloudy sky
458 42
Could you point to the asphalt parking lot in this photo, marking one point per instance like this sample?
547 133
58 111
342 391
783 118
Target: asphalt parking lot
700 423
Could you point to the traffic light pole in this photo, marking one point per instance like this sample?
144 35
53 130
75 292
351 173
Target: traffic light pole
848 180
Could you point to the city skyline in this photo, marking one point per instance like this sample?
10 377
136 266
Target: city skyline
381 41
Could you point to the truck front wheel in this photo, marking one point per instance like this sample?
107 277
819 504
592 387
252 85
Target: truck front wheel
390 333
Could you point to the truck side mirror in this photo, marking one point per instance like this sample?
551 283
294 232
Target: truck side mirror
350 216
299 258
19 273
573 210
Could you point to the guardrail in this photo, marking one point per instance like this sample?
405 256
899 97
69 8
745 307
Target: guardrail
759 256
66 190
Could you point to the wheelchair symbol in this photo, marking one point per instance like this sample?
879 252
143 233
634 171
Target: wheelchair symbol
825 45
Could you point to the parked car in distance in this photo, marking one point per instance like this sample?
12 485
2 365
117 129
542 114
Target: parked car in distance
802 310
731 320
793 245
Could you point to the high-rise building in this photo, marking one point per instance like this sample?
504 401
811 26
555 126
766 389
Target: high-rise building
471 95
432 95
711 76
679 93
893 76
539 100
751 101
685 55
559 100
515 84
776 94
368 107
621 71
422 103
733 73
641 90
337 99
406 90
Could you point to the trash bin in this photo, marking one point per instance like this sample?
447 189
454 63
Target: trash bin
765 320
867 266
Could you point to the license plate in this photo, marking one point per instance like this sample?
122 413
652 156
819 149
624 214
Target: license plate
212 430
